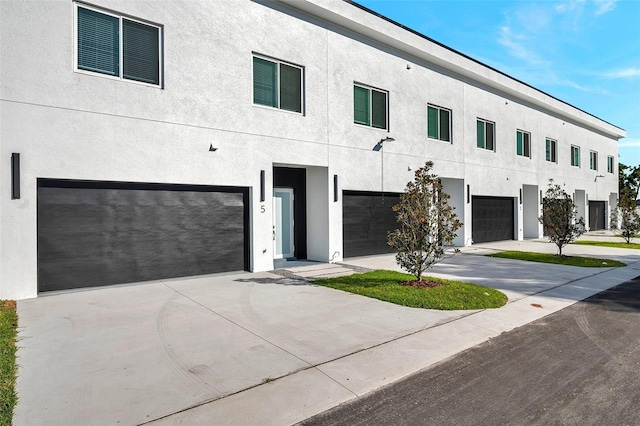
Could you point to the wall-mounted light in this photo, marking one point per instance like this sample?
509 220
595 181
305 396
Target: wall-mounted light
262 183
15 176
468 194
335 188
378 146
212 149
520 195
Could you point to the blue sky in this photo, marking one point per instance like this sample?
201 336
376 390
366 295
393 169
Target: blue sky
584 52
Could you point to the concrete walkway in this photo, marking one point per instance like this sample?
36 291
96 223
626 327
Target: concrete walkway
261 348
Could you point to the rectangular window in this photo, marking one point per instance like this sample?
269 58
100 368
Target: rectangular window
438 123
593 160
121 47
575 156
486 134
277 84
523 143
369 107
551 149
609 164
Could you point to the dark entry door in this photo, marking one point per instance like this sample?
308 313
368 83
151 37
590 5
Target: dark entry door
101 233
596 215
492 219
367 218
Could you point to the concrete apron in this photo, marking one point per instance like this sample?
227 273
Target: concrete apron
209 348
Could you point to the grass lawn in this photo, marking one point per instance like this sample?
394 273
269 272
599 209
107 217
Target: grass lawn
8 326
614 244
385 285
590 262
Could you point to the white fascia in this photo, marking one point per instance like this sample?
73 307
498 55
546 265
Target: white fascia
359 21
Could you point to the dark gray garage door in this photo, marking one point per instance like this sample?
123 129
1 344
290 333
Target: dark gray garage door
367 218
492 219
596 215
100 233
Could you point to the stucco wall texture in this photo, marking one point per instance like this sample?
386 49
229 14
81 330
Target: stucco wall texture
68 124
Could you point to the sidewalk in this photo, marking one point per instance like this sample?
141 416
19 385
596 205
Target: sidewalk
263 349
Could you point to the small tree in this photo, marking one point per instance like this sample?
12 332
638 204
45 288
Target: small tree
428 224
559 217
629 217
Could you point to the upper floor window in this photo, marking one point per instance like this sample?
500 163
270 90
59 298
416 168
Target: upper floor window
438 123
370 107
593 160
575 155
609 164
486 134
523 143
117 46
551 150
277 84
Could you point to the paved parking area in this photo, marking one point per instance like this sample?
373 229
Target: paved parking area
258 348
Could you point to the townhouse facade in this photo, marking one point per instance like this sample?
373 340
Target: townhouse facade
154 140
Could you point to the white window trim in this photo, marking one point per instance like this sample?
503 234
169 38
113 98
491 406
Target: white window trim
524 132
578 148
494 135
591 157
371 88
120 16
302 81
439 108
610 160
555 142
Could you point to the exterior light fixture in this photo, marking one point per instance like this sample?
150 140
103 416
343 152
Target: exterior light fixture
212 149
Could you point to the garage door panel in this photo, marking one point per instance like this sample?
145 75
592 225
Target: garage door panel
367 220
91 236
492 219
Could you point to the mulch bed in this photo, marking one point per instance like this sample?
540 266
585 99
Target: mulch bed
421 284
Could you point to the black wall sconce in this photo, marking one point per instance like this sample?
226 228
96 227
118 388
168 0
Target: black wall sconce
520 195
262 189
335 188
15 176
468 194
212 149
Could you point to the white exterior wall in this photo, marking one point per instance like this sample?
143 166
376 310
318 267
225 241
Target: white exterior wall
71 125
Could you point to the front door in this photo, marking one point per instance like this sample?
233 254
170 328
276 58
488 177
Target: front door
283 223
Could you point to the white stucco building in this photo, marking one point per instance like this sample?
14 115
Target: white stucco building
156 139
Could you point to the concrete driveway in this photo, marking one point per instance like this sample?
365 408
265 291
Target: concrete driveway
257 348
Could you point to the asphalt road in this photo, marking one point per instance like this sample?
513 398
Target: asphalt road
580 366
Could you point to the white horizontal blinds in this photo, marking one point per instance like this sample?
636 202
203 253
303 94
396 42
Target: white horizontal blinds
140 52
378 109
290 88
265 81
361 105
98 42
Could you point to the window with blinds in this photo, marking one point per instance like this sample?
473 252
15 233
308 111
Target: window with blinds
575 156
523 144
485 133
277 84
438 123
550 150
370 107
121 47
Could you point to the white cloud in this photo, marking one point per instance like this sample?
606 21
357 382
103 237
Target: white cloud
623 73
628 143
516 44
604 6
